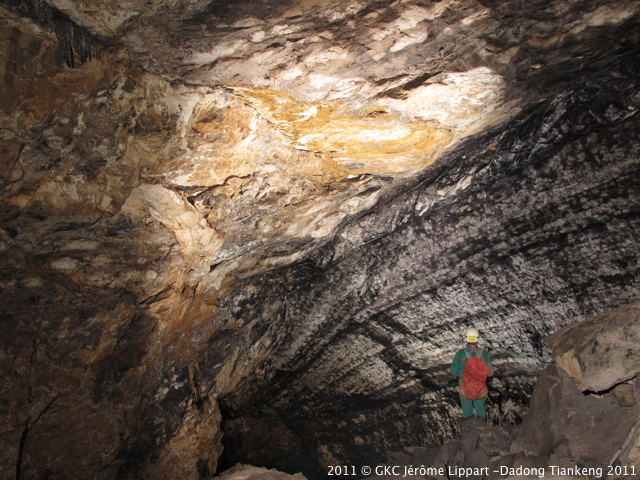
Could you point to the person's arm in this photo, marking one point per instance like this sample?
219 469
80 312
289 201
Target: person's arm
487 359
455 366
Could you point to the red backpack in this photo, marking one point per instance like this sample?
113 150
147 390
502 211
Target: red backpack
474 377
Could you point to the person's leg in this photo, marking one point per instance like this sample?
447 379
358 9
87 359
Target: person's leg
467 406
478 405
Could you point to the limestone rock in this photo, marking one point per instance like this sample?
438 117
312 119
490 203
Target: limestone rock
624 395
449 453
248 472
586 428
366 322
600 352
630 451
564 429
495 441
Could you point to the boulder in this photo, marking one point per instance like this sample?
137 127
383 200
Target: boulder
562 420
624 395
249 472
477 461
495 441
450 452
602 351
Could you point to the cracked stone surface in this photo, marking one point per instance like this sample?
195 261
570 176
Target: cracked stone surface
249 228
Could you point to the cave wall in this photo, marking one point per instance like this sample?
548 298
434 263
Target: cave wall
185 268
534 230
81 342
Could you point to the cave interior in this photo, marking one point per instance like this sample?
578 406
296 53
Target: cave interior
255 231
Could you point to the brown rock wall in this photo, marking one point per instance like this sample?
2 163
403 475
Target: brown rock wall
34 79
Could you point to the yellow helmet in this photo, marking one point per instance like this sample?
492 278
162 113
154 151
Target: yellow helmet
472 335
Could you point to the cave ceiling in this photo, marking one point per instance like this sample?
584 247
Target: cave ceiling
257 227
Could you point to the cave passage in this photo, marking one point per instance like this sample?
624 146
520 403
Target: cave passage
255 232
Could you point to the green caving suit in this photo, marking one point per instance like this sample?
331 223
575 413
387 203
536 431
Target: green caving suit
457 368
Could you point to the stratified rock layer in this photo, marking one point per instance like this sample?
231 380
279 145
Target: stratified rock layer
359 334
566 434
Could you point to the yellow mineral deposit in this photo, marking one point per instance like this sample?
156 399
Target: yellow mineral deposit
258 128
377 143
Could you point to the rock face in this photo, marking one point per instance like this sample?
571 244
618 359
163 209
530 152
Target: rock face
566 434
585 419
259 227
377 302
604 353
565 422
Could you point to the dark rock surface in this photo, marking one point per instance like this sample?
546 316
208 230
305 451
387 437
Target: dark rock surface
581 422
356 327
590 426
